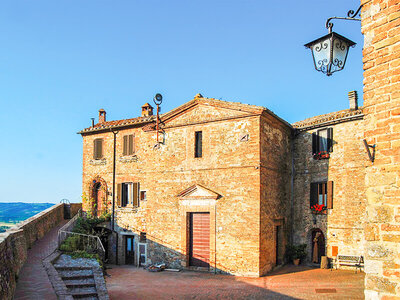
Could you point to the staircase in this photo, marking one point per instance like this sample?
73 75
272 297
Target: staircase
79 281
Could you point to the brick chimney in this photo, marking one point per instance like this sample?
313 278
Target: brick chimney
102 116
147 110
353 99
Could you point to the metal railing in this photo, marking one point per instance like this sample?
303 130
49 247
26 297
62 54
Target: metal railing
85 242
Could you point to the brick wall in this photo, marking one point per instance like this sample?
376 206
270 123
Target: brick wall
15 242
381 56
343 225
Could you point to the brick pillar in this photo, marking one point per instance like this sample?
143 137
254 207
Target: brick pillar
381 57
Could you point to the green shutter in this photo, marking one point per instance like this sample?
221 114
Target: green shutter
313 194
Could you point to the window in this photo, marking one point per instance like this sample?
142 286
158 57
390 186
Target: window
198 144
143 196
142 237
322 141
128 194
321 193
129 145
98 148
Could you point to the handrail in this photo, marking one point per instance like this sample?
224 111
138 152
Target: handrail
87 235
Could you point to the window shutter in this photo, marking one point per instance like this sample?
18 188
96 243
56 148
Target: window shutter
135 194
131 145
119 194
313 194
314 143
198 144
125 148
330 139
98 148
330 194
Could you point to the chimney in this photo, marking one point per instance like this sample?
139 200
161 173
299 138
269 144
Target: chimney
353 99
147 110
102 116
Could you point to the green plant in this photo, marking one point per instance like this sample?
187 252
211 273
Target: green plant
72 243
296 251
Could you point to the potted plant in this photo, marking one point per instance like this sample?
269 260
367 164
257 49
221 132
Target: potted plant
321 155
296 253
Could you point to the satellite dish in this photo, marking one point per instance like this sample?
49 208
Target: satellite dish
157 99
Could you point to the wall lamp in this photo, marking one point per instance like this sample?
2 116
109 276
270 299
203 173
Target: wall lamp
330 51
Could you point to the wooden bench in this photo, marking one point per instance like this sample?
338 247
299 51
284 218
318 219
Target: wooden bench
349 260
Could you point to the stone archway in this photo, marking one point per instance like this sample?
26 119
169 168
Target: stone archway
98 196
317 245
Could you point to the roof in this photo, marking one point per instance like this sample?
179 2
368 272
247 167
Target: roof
329 119
199 99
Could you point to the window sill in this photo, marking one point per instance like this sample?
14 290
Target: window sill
97 162
325 212
128 208
128 158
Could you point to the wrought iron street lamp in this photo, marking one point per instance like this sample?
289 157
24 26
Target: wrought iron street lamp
330 51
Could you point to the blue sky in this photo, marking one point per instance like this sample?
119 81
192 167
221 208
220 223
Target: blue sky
61 61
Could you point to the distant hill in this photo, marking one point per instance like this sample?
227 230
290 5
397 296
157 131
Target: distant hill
15 212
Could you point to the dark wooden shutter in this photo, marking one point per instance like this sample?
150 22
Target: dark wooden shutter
330 139
135 194
119 194
131 144
98 148
125 148
330 194
314 143
313 194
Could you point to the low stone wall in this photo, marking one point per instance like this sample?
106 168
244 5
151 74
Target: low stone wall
15 242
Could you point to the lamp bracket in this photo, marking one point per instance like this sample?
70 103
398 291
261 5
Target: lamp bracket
367 147
351 15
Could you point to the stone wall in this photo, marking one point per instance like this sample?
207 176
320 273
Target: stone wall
15 242
381 57
343 225
275 207
229 167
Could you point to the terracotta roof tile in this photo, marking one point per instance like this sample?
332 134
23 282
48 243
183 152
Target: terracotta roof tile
331 118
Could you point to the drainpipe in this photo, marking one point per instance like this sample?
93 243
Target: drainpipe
113 200
294 134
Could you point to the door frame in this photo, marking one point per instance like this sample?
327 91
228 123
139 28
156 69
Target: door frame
190 239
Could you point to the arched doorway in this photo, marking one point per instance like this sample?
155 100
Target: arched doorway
98 191
317 245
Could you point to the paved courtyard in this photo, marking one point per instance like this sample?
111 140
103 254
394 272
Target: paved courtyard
290 282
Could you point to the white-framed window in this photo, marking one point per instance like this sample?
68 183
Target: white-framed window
128 194
143 195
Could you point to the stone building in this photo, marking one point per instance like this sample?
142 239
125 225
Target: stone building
228 185
329 159
212 192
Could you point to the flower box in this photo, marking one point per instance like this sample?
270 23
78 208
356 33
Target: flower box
321 155
318 209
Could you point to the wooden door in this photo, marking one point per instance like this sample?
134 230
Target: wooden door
130 250
199 246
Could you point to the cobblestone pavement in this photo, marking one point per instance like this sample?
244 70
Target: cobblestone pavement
290 282
33 282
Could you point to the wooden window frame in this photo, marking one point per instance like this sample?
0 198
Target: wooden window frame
133 198
128 145
98 148
324 188
316 147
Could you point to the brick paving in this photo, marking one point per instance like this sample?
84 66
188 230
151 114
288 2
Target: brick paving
290 282
33 282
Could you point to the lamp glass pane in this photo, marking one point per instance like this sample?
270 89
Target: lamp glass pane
321 53
340 50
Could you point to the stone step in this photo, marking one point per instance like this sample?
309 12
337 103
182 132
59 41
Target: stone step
69 268
88 298
87 282
75 274
83 292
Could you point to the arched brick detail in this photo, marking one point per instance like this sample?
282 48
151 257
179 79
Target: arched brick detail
101 205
